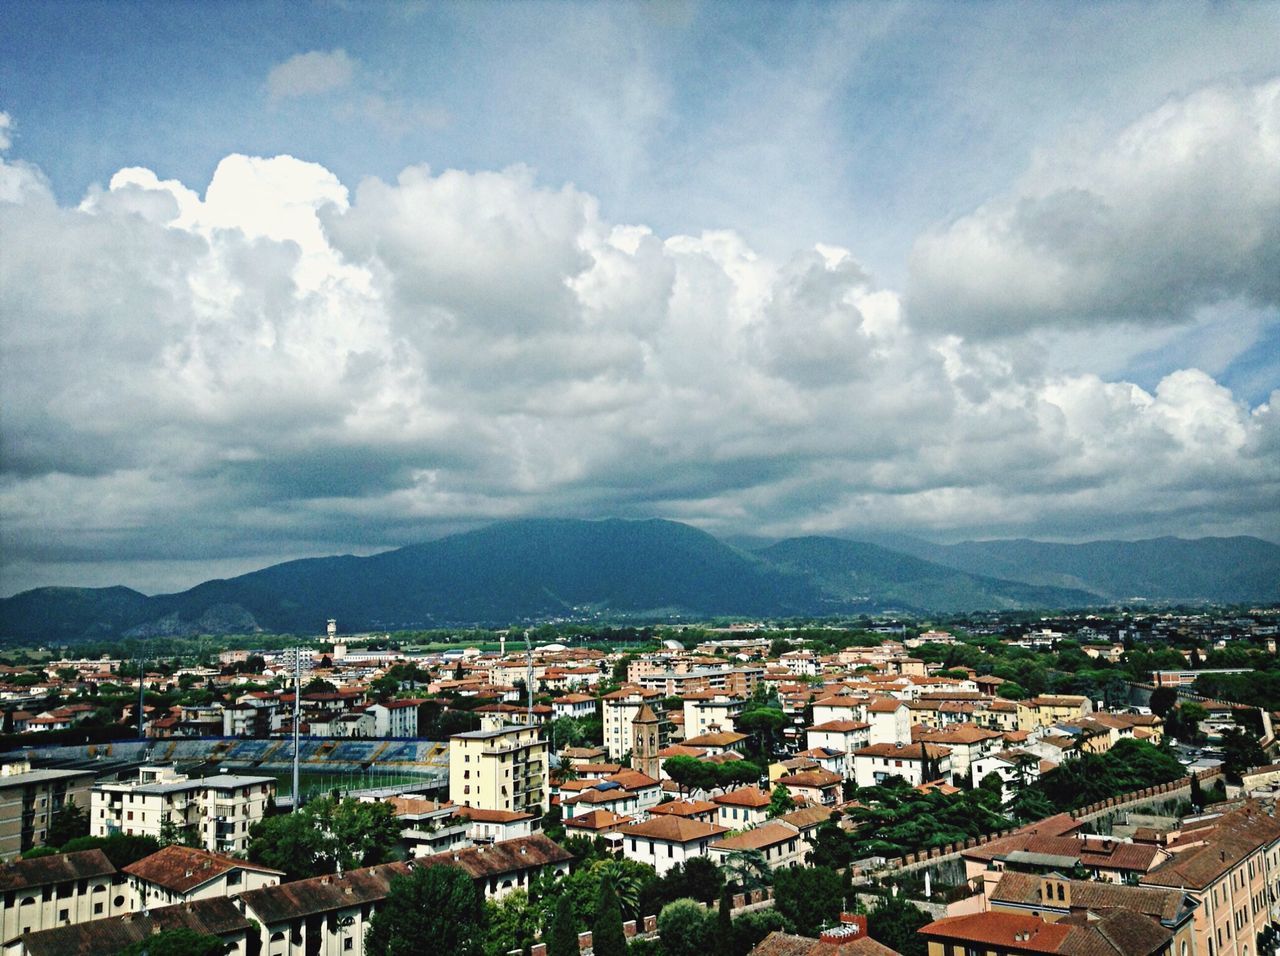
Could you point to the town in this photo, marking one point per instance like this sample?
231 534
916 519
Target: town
1078 784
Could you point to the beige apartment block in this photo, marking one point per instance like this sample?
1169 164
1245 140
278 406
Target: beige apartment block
29 799
501 769
219 810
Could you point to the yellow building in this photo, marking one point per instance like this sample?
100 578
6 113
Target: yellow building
1047 710
502 769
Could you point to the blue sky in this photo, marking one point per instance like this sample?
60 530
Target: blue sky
960 154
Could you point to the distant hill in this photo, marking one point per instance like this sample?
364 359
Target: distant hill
1219 570
542 569
851 572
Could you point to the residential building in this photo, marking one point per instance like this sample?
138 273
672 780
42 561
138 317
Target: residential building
742 808
59 890
180 874
778 842
1114 933
501 868
218 917
914 763
501 769
218 810
664 841
30 798
619 709
395 718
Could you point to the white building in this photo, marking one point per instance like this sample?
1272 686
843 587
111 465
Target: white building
664 841
218 809
395 718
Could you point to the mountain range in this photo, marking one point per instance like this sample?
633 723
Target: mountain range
541 569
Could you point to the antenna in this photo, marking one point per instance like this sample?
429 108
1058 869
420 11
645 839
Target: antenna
528 674
142 689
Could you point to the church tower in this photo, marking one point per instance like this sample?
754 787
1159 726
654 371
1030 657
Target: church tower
645 741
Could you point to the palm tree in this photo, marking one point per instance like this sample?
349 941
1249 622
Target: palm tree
625 883
747 869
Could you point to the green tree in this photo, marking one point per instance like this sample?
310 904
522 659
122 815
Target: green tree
750 928
513 923
684 928
895 923
1241 751
69 823
120 848
563 938
607 938
437 907
1163 700
780 802
763 725
171 834
809 898
323 834
291 843
176 942
722 940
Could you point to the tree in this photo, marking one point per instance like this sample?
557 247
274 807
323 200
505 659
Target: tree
809 898
722 941
1241 751
513 923
437 907
563 938
1190 714
780 802
291 843
1163 700
684 928
895 923
750 928
120 848
171 833
607 938
1196 796
323 834
993 783
176 942
68 824
746 870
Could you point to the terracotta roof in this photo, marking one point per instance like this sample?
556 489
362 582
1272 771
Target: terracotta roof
903 751
320 894
217 916
811 778
723 738
757 838
493 816
840 726
1000 930
596 820
684 808
1102 853
779 943
1167 905
1234 836
506 856
183 868
58 868
674 829
743 797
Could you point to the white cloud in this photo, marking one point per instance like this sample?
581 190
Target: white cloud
307 74
6 131
1180 211
284 360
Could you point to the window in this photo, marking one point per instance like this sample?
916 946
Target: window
64 915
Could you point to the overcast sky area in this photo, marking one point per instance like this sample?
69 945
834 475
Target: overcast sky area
290 280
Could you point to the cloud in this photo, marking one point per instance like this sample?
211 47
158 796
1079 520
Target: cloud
1180 211
6 131
308 74
290 366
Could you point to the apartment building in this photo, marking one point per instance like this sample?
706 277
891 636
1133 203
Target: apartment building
500 769
710 711
395 718
875 764
1230 865
181 874
30 798
219 810
1047 710
619 709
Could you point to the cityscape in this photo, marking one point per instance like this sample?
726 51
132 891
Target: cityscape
639 478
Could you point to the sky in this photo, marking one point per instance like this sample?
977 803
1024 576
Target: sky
281 280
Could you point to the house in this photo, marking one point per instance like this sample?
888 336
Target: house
835 942
580 706
845 736
495 826
914 763
741 808
396 718
500 868
664 841
180 874
778 842
967 743
702 810
890 721
815 787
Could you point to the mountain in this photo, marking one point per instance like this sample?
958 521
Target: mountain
541 569
853 572
1217 570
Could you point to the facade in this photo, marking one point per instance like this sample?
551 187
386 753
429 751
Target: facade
219 810
395 718
218 917
59 890
875 764
619 709
30 798
778 842
1231 866
502 769
664 841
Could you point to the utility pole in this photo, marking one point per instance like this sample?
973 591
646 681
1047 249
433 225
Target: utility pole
142 689
297 720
